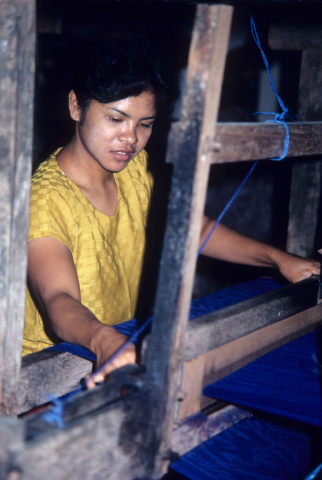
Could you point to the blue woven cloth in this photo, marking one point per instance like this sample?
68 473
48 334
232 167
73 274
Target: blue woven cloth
253 449
285 381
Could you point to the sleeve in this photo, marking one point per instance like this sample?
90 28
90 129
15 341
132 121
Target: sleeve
51 216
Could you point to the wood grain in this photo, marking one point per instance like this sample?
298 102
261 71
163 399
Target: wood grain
17 45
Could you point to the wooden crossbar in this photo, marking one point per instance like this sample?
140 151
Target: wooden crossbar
238 142
215 364
215 329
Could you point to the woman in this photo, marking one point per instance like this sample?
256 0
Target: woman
89 205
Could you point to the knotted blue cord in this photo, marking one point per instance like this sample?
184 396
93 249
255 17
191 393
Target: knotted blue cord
278 118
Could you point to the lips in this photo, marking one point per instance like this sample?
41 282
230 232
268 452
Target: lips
122 155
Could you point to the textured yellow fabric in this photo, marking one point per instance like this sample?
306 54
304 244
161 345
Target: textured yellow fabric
107 251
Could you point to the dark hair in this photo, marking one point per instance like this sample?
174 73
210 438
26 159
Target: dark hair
110 70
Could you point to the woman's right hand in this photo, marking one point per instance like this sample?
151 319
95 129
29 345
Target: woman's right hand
53 282
105 342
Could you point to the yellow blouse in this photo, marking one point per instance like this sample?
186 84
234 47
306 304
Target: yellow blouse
107 251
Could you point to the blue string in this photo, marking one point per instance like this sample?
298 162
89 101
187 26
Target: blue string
278 118
226 208
55 415
313 475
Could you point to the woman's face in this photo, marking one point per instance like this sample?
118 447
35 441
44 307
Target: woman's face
114 133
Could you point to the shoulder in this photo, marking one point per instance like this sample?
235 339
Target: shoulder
50 194
49 183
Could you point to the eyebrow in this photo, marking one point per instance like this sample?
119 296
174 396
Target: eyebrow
128 116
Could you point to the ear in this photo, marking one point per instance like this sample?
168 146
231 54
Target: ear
74 109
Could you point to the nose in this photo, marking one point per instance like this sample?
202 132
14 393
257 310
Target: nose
129 136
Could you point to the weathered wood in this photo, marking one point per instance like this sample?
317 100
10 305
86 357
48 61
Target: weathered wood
253 141
216 364
17 47
49 373
199 428
95 447
237 142
295 37
306 177
217 328
120 383
189 181
12 435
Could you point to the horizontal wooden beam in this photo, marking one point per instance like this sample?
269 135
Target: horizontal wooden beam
199 428
217 328
295 37
237 142
49 373
216 364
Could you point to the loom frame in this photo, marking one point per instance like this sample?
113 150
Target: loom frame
142 419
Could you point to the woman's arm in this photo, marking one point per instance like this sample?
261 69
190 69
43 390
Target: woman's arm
53 282
226 244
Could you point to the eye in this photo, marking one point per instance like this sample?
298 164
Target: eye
115 120
147 125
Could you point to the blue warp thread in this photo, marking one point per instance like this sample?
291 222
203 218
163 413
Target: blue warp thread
55 415
278 118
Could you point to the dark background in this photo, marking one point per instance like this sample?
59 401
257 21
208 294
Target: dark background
261 210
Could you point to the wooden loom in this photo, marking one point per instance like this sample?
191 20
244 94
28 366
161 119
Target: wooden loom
135 424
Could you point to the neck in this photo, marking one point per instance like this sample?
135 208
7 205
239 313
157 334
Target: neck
84 172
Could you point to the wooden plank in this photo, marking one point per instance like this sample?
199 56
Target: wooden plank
217 328
295 37
94 447
216 364
17 46
12 434
258 141
122 382
189 181
49 373
306 176
236 142
199 428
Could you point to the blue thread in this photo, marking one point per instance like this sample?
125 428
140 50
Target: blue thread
278 118
55 415
120 350
226 208
313 475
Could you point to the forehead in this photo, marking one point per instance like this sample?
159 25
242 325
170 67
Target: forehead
141 106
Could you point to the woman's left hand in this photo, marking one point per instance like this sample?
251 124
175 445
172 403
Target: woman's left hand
295 268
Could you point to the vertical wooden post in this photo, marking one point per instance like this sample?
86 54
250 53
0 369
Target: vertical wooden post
17 61
306 175
190 150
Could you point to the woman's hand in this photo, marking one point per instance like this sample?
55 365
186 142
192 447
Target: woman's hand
295 268
226 244
105 342
54 283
